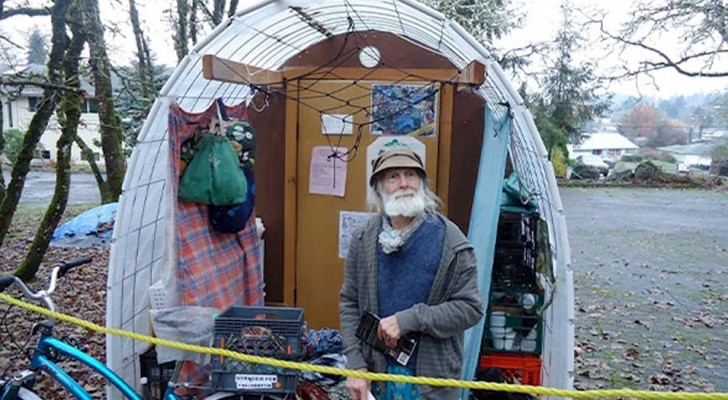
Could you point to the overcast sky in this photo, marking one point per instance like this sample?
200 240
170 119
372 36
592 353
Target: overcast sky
542 22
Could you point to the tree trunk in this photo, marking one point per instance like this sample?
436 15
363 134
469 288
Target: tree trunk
110 123
145 68
217 12
180 36
88 155
233 8
193 22
2 150
69 115
39 122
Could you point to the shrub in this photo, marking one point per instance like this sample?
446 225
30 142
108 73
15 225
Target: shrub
13 141
632 158
647 171
583 171
558 161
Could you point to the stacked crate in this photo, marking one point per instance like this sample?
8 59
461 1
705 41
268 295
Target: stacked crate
513 334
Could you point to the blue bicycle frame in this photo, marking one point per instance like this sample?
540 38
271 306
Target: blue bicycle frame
47 345
40 361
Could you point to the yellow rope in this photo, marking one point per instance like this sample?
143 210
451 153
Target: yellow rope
503 387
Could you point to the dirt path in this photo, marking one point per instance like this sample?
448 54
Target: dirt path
651 278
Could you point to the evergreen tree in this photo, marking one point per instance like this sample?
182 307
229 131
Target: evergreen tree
569 95
37 48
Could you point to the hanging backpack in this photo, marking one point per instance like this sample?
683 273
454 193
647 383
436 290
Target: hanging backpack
232 219
214 176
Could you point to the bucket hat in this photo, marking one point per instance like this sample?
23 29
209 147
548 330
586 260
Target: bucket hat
398 157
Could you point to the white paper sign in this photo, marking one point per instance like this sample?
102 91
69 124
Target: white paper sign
348 222
250 381
337 124
328 171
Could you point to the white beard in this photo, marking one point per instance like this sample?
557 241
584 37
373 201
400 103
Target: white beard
404 203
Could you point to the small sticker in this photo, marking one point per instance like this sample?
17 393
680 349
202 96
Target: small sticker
248 381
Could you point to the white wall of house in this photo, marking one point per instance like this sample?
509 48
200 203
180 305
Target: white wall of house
18 113
605 154
693 159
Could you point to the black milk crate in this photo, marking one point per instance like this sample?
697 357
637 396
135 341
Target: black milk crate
273 332
517 227
157 375
514 267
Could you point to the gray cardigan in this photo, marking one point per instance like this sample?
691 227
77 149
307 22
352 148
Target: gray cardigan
454 304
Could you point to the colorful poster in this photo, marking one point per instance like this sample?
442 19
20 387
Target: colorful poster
328 171
348 222
404 110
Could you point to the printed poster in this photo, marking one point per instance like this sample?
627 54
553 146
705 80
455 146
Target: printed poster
328 171
348 222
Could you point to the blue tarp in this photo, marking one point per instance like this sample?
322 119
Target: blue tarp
92 227
484 223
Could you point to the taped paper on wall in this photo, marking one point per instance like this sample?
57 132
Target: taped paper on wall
348 222
328 171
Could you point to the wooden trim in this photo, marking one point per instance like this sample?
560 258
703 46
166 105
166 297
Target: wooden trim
290 218
467 76
445 145
220 69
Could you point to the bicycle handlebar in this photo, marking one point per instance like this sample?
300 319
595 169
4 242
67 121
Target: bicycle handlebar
5 281
66 266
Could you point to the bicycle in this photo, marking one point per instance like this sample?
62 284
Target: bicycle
44 356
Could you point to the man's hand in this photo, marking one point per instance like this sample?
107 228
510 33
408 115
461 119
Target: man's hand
389 331
358 388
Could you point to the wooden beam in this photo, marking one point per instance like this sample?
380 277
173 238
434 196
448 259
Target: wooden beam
473 74
220 69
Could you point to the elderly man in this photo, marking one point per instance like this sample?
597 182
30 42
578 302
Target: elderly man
415 269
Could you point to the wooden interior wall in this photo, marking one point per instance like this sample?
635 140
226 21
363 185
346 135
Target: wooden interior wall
466 115
468 122
269 125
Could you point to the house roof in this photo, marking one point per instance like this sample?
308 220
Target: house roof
693 149
606 141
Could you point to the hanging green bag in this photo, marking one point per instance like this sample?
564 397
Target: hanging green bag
214 175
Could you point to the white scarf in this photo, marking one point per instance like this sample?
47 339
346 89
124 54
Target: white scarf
392 239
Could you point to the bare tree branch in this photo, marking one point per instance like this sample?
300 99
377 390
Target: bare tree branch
40 84
699 29
26 11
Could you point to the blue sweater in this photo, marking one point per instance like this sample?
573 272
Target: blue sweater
404 277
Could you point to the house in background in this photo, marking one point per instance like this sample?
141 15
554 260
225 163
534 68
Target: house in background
610 146
694 154
19 108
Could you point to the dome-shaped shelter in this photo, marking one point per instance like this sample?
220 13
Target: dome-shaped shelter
305 75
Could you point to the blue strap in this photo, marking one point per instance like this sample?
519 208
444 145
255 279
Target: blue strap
484 223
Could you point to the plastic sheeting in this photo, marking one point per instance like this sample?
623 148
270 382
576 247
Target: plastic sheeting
93 227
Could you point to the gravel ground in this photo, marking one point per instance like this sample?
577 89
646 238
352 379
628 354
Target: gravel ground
651 287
